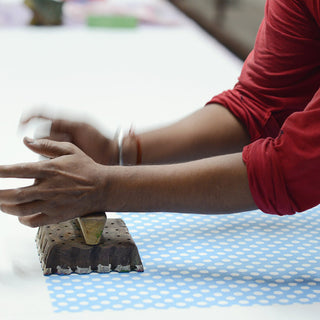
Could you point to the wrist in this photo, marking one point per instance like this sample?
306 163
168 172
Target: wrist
117 189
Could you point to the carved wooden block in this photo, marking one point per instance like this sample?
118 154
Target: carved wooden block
62 249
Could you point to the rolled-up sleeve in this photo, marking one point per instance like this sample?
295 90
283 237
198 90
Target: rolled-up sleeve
284 172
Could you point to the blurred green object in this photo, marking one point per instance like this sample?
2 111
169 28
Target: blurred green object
112 21
45 12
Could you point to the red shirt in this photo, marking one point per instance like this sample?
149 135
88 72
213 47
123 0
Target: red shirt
278 99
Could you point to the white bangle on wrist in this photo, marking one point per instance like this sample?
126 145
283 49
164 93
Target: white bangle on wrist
119 138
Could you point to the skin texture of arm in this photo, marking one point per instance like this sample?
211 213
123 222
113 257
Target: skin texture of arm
211 186
71 184
192 166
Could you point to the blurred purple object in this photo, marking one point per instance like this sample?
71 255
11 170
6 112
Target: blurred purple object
14 14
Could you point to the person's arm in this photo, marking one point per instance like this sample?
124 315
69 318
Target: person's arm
71 184
210 131
209 186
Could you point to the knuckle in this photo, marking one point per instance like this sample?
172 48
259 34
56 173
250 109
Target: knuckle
20 195
47 167
45 144
19 210
68 146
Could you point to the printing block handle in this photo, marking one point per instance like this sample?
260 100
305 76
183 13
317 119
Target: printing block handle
91 226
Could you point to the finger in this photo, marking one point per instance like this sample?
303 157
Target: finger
33 221
23 209
49 148
19 195
37 220
31 170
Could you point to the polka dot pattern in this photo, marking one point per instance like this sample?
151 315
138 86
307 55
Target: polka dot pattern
194 260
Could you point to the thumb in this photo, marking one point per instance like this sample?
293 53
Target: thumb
49 148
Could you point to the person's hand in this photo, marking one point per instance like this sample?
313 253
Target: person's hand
68 185
100 148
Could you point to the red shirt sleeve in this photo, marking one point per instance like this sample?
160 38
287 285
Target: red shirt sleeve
280 80
282 73
284 173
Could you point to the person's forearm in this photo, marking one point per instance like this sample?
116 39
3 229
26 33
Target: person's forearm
213 185
210 131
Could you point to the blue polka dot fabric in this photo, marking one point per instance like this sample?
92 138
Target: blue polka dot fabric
202 261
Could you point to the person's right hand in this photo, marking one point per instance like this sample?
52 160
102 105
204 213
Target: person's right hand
100 148
70 184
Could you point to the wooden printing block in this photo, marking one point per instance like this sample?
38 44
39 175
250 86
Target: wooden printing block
62 249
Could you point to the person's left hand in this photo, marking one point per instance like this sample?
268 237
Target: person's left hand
68 185
85 136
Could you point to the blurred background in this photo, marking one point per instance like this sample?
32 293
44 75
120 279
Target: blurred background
233 22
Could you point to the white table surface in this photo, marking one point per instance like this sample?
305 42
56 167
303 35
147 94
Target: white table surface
147 77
